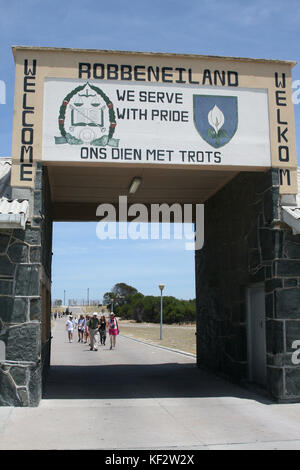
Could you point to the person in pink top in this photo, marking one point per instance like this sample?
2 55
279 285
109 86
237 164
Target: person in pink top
113 330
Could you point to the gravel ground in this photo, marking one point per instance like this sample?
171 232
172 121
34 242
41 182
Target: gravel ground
180 337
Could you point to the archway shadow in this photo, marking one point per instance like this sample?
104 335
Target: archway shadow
122 381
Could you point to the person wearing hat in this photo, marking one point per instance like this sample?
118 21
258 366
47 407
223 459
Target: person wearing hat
93 330
113 329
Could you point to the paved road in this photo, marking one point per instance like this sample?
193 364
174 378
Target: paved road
142 397
75 311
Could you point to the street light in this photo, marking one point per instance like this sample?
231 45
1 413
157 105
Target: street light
161 287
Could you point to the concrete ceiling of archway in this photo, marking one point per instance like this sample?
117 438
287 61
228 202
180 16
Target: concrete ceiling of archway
76 191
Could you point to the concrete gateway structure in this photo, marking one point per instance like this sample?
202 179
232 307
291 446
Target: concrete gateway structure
193 129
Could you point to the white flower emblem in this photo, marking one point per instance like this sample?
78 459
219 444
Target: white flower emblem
216 118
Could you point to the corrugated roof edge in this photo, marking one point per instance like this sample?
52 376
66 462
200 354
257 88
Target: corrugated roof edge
5 170
144 53
13 206
13 212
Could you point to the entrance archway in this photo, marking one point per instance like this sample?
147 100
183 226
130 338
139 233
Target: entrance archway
192 130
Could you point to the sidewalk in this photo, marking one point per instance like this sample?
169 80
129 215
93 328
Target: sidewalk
139 396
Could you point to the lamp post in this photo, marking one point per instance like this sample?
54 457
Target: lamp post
161 287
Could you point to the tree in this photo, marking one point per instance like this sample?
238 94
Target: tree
122 290
118 295
130 304
107 298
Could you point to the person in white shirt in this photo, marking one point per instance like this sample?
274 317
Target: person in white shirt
70 328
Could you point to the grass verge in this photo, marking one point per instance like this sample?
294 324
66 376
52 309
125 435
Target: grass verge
175 337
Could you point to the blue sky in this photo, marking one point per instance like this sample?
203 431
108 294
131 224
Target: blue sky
258 28
81 261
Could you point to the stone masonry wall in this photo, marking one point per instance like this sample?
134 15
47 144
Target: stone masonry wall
245 244
25 262
283 315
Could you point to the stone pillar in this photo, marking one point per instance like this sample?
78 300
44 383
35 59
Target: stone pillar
245 243
25 266
283 317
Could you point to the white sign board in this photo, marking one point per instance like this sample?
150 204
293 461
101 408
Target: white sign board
127 122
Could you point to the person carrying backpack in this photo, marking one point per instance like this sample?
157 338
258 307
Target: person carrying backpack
113 330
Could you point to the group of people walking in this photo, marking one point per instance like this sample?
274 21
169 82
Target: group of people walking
89 328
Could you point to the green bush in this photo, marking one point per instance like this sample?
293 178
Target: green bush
146 308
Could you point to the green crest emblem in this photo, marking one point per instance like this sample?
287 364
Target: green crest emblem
87 117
